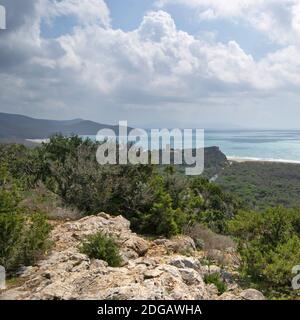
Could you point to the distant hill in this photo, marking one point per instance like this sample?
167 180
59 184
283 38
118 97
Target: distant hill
17 128
13 126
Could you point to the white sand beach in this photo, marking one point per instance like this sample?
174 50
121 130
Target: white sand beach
249 159
40 141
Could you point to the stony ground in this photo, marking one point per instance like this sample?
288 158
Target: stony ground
160 269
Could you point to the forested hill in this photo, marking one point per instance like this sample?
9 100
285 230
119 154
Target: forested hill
23 127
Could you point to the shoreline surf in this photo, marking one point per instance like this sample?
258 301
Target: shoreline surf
238 159
252 159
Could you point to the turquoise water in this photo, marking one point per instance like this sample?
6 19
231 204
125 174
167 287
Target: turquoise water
266 145
256 145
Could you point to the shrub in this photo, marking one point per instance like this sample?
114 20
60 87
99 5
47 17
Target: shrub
160 202
269 246
216 279
41 199
11 226
102 247
162 218
22 163
208 239
23 235
157 202
217 257
23 239
9 192
207 204
35 237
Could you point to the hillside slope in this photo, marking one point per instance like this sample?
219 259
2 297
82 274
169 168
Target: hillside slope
23 127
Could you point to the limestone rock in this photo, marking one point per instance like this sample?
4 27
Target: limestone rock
139 245
150 274
252 294
228 296
185 262
179 244
157 270
191 277
212 291
206 270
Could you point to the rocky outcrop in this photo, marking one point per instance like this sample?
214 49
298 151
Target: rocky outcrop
252 294
150 270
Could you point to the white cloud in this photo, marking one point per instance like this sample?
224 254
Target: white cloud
87 11
160 61
98 70
278 19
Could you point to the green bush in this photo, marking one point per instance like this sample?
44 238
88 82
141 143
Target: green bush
9 192
216 279
205 203
23 239
269 245
102 247
22 163
160 218
35 240
23 235
11 226
157 201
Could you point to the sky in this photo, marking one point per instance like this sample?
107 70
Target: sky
155 63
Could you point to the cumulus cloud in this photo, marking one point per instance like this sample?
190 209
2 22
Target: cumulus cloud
98 71
86 11
157 61
278 19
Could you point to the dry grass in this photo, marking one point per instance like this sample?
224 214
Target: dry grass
217 248
211 240
42 200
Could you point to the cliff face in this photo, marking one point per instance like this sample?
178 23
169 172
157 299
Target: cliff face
214 161
151 269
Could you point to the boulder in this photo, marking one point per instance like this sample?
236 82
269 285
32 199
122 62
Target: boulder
179 244
150 274
212 291
252 294
206 270
137 244
185 262
190 276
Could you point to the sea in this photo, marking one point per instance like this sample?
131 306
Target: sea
267 145
239 145
250 145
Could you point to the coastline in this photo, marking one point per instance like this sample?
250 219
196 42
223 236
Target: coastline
250 159
229 158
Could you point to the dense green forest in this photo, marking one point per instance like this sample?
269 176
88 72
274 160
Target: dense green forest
262 184
157 201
